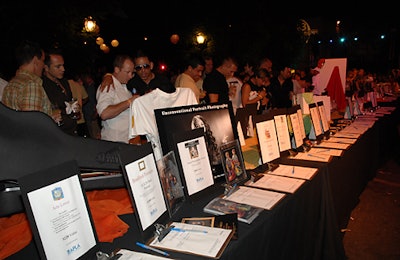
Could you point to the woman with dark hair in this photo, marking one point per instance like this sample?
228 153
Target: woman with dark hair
212 147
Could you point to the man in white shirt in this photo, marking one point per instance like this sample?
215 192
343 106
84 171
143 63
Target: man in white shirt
113 105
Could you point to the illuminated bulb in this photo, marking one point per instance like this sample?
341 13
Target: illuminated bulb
114 43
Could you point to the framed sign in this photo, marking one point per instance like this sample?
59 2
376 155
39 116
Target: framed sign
145 189
233 163
58 213
193 162
171 182
316 132
267 136
217 121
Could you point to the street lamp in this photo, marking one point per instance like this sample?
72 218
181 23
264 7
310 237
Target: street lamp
90 24
200 38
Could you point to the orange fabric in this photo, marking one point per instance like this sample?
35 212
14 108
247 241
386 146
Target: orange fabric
15 234
105 206
335 89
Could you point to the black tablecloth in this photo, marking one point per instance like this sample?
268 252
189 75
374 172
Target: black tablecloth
304 225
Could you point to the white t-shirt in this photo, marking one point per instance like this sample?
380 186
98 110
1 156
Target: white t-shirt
235 92
142 109
114 129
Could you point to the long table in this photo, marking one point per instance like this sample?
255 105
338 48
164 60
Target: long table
304 225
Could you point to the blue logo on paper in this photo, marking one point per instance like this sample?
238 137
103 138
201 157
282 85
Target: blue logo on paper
200 179
73 248
57 193
152 212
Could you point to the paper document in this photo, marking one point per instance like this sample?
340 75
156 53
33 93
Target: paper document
124 254
195 239
326 151
347 135
332 145
278 183
300 172
341 140
256 197
311 157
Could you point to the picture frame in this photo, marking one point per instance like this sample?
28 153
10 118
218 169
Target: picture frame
203 221
141 175
171 182
217 121
316 132
58 212
193 162
233 163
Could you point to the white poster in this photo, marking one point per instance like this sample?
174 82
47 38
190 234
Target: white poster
268 141
62 219
282 131
327 69
298 137
301 122
316 121
325 123
195 164
146 189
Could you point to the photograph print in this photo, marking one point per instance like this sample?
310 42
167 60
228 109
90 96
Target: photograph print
232 162
216 120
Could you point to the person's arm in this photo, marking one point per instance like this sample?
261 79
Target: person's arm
114 110
246 96
107 83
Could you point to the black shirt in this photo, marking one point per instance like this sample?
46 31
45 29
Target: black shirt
59 95
215 83
280 94
137 86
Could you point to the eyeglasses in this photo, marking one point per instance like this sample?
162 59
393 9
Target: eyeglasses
143 66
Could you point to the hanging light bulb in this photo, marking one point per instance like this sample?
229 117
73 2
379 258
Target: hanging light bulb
90 24
174 38
200 39
103 46
114 43
99 41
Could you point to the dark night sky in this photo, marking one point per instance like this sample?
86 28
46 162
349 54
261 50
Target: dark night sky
129 21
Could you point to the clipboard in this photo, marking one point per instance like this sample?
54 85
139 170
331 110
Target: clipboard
194 240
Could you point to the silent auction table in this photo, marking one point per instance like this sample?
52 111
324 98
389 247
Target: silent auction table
304 225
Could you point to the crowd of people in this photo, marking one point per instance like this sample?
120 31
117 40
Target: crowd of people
42 83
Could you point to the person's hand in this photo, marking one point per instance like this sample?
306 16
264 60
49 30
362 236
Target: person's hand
203 94
107 83
56 115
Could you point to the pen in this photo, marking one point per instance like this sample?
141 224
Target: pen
293 170
190 230
323 151
312 155
152 249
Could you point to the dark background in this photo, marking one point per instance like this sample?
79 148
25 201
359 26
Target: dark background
249 30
